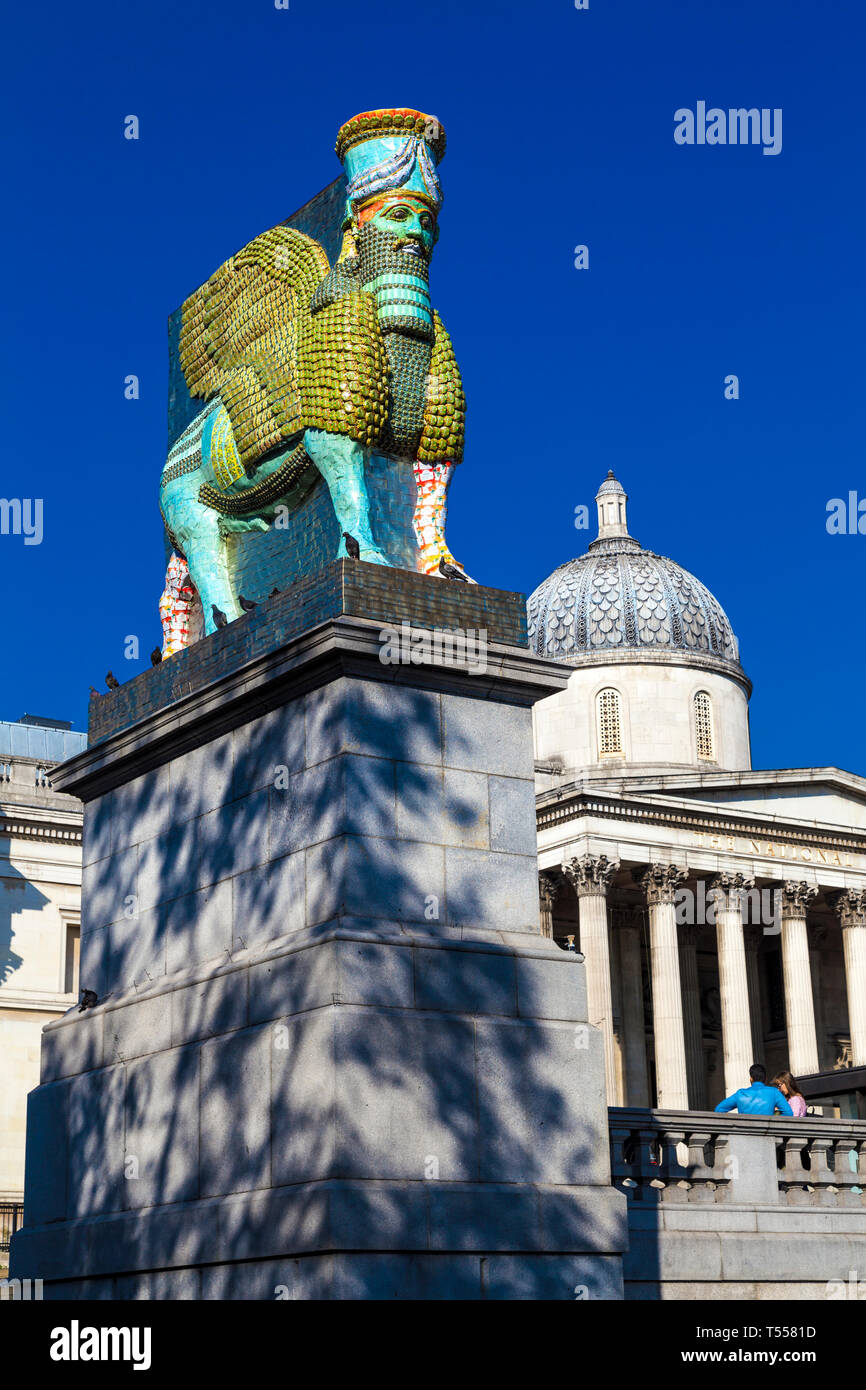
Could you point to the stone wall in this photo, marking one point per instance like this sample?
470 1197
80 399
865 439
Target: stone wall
359 798
416 1099
657 713
40 894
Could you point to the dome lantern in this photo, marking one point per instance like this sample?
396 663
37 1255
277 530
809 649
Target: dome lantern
611 500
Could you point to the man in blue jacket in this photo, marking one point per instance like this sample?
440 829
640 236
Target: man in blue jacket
757 1099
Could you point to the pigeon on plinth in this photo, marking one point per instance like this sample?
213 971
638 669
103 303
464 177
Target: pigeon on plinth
452 572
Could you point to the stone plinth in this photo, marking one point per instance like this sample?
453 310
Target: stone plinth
333 1055
345 588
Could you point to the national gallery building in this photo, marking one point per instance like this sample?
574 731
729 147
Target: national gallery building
721 910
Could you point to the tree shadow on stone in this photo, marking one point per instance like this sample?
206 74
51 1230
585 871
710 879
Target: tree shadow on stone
17 896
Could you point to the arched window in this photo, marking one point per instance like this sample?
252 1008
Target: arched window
704 726
609 723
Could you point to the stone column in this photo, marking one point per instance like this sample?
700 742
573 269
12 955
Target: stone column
850 906
737 1042
752 936
591 876
660 883
548 890
692 1026
797 898
616 1006
628 922
817 938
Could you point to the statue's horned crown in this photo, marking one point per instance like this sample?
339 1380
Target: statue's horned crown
383 151
393 121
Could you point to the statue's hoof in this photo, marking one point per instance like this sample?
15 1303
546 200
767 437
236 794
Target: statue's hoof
375 556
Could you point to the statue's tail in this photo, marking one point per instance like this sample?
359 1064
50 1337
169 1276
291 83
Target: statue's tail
259 495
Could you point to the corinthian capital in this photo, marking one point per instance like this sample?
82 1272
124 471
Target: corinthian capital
728 887
729 882
660 882
797 898
590 873
548 889
850 907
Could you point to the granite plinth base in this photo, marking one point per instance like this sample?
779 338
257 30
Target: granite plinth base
332 1055
342 1115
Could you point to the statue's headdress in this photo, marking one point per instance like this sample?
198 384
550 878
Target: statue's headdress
382 151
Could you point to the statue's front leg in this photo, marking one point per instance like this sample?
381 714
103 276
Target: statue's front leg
431 506
196 530
340 461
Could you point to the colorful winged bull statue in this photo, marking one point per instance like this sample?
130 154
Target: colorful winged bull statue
304 369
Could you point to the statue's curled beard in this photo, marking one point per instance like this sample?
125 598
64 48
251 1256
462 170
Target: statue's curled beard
382 259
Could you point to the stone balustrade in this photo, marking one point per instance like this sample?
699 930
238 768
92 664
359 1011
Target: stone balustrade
707 1159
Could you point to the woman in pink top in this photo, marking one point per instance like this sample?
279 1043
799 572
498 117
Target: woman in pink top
788 1086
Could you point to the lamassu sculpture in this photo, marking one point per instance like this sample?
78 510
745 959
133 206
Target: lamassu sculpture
308 370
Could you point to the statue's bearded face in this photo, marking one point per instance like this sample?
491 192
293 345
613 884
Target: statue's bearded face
410 223
395 236
398 233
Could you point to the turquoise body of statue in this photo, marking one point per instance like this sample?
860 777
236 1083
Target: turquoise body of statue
307 370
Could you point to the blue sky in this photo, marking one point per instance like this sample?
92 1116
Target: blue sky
704 261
